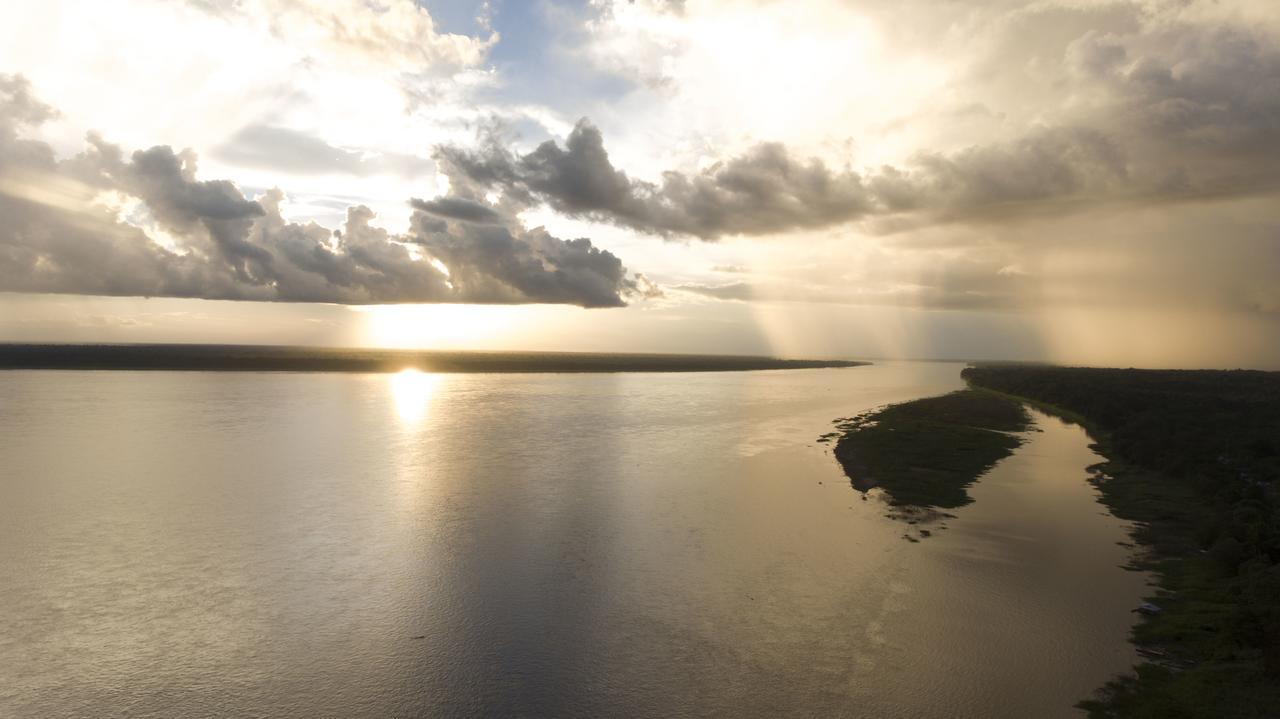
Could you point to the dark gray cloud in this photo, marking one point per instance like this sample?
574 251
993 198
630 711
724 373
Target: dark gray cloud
768 190
502 264
166 182
1181 111
1205 101
284 149
457 208
100 223
762 192
1043 166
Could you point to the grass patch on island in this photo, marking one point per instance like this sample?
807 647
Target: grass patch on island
927 452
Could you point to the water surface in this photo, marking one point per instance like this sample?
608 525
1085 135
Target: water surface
301 545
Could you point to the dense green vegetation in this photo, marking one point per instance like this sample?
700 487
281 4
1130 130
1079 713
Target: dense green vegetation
1194 459
925 453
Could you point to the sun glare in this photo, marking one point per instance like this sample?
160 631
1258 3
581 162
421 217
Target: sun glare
412 391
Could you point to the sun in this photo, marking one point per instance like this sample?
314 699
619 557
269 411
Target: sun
431 326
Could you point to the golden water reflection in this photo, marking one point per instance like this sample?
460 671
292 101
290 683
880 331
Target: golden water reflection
412 390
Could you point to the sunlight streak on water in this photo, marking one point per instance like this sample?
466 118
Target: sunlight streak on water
412 391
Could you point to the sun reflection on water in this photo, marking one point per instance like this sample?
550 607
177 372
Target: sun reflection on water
412 392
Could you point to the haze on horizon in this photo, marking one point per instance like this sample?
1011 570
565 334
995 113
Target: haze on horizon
1078 181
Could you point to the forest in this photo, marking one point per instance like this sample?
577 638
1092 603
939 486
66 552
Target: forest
1194 462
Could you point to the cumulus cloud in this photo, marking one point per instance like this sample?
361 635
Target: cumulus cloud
768 190
1209 97
146 225
1044 166
762 192
1163 111
500 264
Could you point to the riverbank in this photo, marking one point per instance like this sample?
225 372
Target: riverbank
263 358
1194 462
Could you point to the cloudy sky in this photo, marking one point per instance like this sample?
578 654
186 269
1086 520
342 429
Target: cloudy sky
1072 180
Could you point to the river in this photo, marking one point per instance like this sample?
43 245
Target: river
304 545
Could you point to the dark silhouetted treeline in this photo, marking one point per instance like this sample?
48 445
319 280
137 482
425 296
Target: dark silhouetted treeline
258 358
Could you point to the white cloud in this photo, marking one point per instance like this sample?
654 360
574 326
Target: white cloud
193 74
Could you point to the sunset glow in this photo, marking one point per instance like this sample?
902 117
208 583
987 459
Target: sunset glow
640 358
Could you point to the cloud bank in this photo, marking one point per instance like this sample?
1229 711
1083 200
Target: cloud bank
1171 111
769 191
145 225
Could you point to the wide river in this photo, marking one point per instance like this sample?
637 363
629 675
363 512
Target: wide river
657 545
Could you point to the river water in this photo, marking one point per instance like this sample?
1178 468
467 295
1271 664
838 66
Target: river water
316 545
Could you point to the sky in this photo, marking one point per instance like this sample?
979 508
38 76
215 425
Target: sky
1075 181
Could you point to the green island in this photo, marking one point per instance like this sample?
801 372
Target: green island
924 454
1193 459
